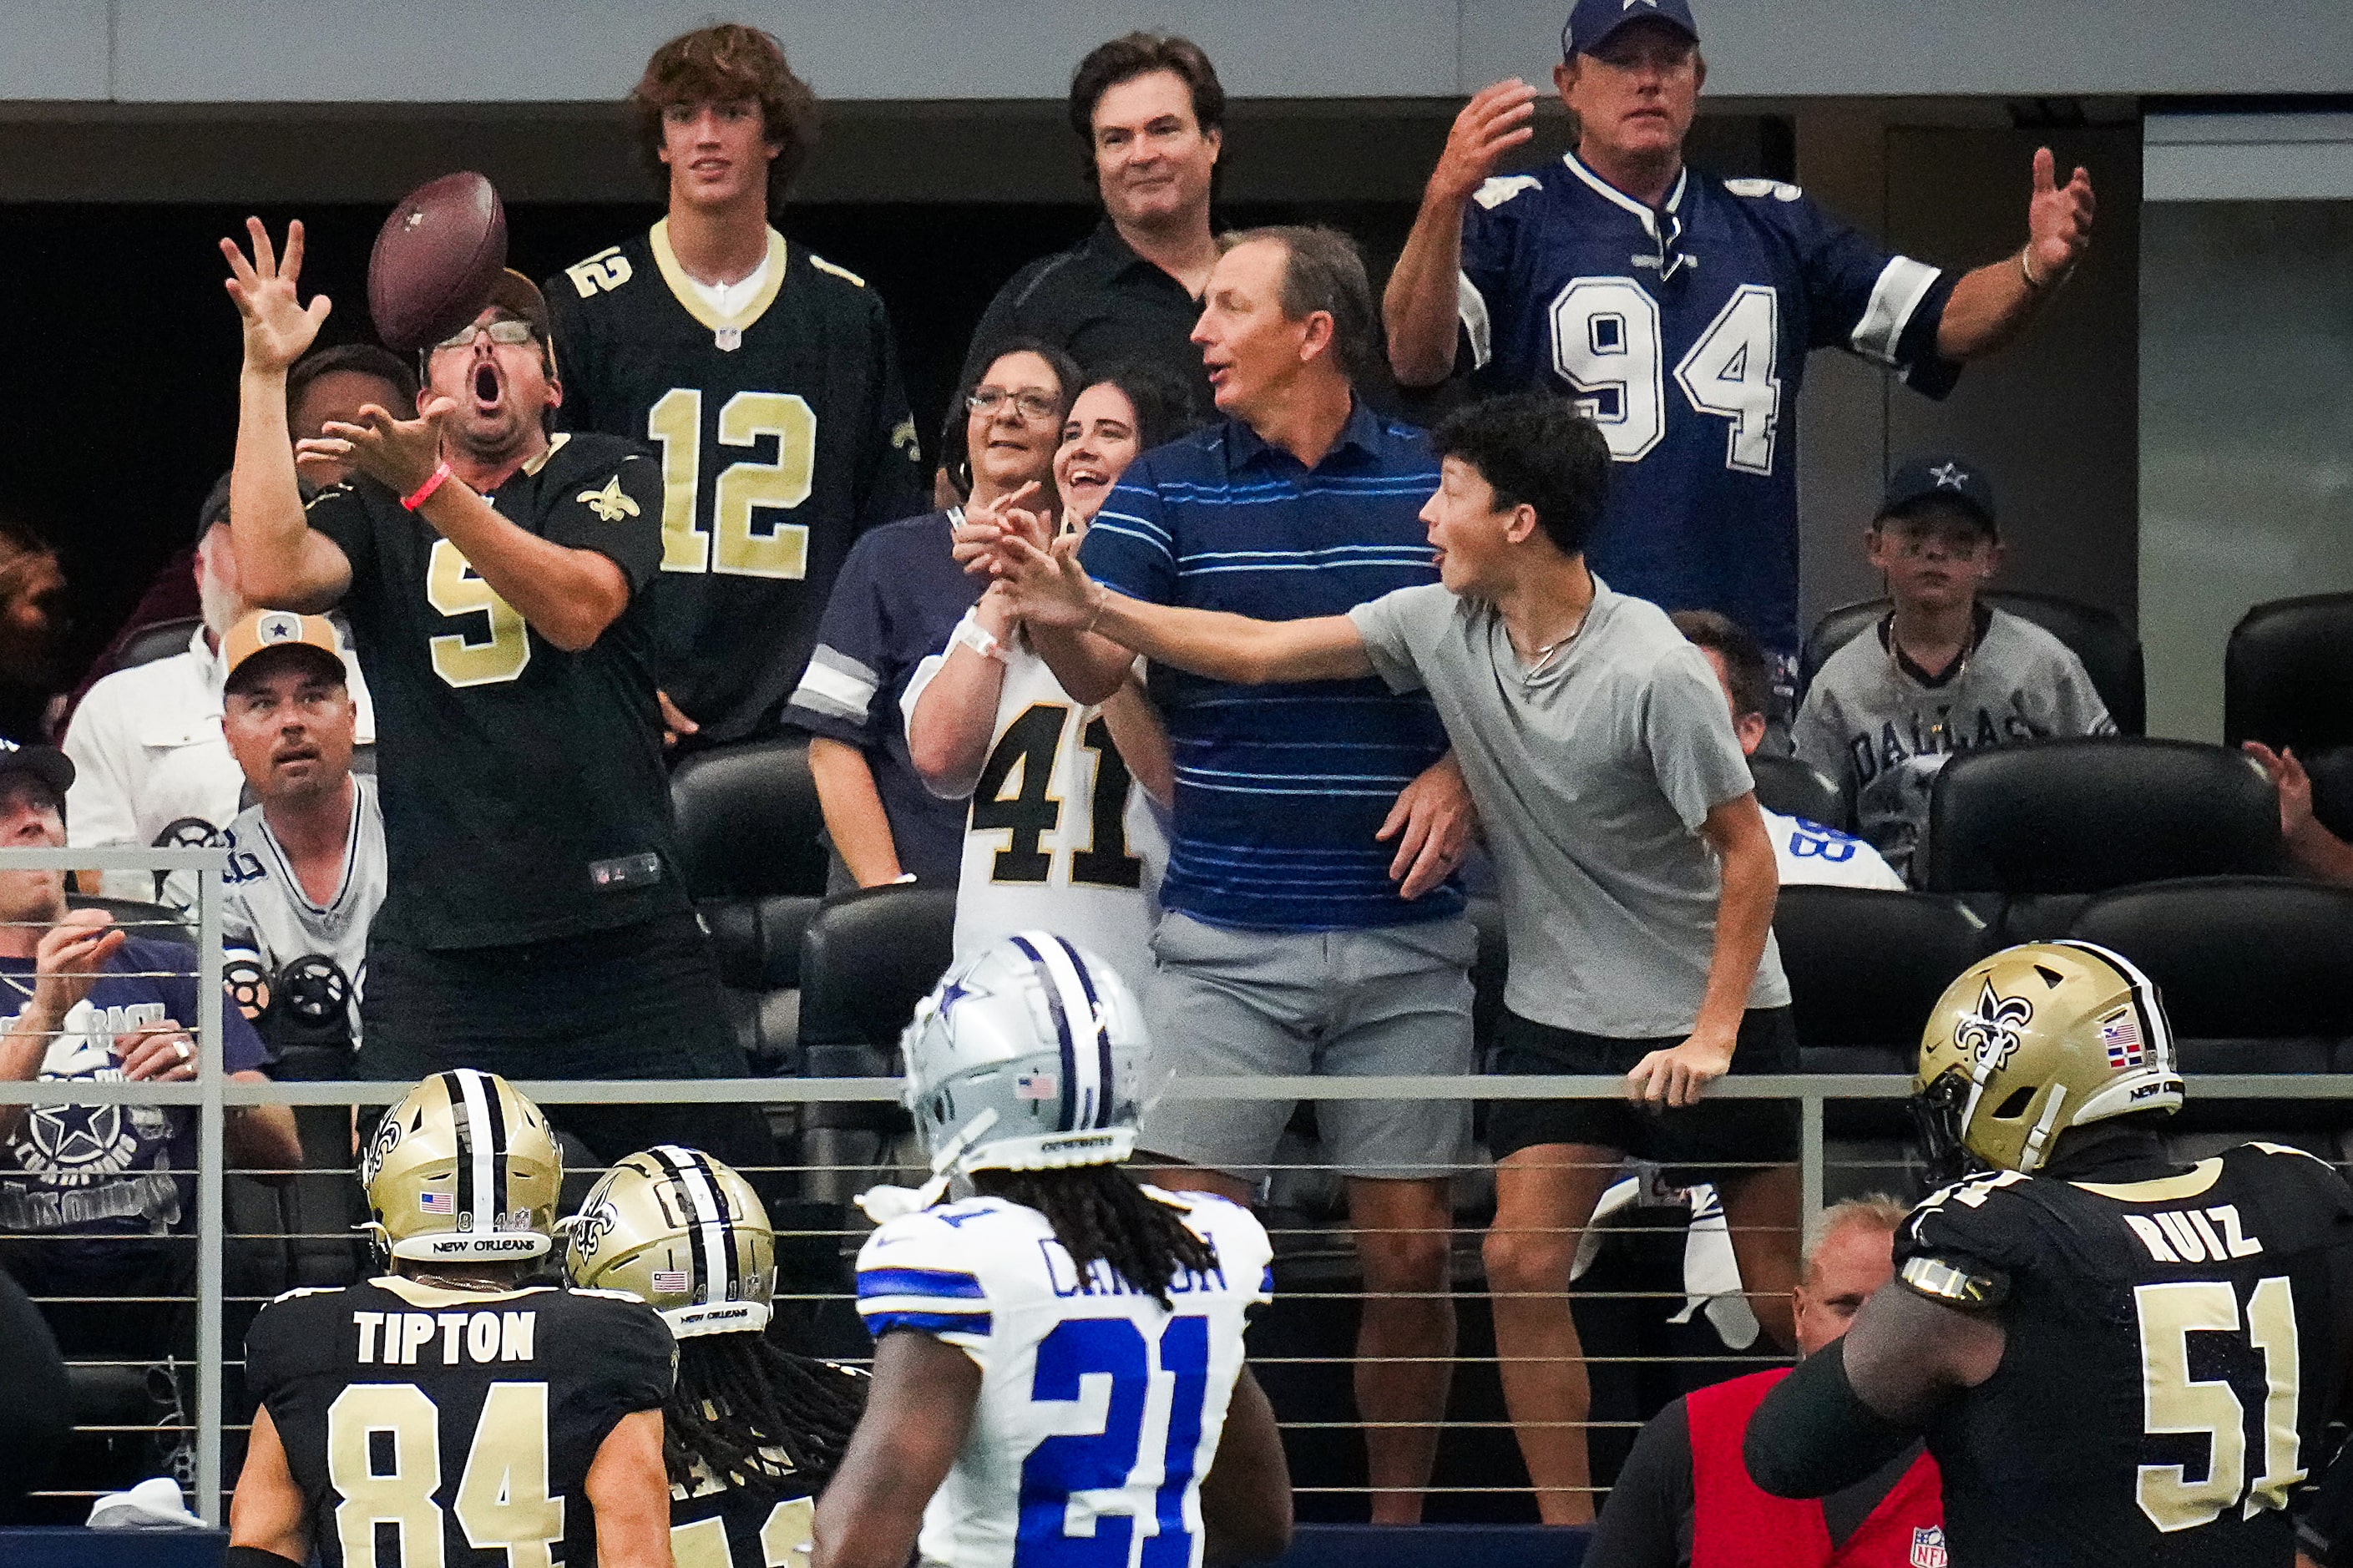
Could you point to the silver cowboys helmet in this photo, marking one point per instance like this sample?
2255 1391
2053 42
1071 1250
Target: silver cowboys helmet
1026 1056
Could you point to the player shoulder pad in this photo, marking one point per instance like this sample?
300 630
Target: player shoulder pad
919 1272
1757 190
301 1290
2290 1149
844 273
1501 188
1976 1228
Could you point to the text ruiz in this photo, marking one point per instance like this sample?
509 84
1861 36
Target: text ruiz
477 1337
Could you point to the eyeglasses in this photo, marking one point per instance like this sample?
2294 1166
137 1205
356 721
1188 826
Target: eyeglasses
506 331
1035 406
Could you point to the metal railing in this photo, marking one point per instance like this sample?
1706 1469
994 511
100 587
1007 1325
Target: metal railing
210 1095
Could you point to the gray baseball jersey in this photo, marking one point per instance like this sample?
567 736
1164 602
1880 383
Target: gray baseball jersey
313 955
1870 721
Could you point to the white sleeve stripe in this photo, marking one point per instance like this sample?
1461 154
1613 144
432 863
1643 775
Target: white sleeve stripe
1894 300
1471 305
842 693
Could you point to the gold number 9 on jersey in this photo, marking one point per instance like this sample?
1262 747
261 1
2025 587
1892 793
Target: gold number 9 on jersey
453 587
675 422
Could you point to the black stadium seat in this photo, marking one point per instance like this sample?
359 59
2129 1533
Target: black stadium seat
1798 789
1865 969
867 958
2256 974
2288 675
2036 828
2287 681
2110 652
747 835
149 644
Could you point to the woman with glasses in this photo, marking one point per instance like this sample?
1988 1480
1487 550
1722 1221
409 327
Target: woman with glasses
899 599
1065 830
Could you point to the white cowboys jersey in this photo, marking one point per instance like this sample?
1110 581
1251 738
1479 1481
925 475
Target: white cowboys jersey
313 957
1099 1409
1059 836
1808 853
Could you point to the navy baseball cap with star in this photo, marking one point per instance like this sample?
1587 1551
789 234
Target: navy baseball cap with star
1591 23
1941 476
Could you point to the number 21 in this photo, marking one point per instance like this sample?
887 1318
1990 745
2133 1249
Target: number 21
1062 1467
1607 343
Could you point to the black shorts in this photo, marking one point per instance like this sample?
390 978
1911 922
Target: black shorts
1698 1142
642 1000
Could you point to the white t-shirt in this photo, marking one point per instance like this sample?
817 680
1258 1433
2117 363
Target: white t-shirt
1058 837
313 952
1806 853
152 766
1131 1394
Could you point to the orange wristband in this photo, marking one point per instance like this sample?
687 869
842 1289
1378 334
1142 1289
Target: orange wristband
423 492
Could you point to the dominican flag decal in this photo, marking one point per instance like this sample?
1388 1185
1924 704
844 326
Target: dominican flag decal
1928 1546
2122 1036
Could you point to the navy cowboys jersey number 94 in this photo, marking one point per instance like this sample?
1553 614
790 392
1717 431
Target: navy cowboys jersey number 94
783 434
2174 1348
1684 333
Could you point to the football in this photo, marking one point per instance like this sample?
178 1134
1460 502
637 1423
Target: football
434 260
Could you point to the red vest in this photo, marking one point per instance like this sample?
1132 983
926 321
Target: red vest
1736 1524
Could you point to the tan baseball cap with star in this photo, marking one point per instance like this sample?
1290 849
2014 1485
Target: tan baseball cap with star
277 633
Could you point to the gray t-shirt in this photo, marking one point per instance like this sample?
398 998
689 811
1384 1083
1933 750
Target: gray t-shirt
1592 779
1881 731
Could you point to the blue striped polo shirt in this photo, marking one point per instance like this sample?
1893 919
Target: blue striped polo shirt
1281 788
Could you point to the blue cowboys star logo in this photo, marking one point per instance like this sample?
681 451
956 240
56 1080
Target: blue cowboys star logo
1949 475
1990 1035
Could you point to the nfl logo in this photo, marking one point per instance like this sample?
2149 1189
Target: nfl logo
1036 1086
437 1203
2122 1036
1928 1547
669 1282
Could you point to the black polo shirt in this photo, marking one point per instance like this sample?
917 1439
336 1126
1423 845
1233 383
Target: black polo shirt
1103 305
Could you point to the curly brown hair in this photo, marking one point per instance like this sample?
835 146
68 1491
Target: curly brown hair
725 61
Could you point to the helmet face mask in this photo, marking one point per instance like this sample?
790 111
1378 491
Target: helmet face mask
2030 1043
463 1170
682 1233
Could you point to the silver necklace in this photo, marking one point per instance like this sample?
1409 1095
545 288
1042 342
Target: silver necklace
1541 661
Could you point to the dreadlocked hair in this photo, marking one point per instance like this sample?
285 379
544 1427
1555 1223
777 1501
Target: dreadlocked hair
737 1395
1099 1213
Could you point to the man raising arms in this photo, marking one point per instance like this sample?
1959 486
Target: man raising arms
1679 311
766 375
533 919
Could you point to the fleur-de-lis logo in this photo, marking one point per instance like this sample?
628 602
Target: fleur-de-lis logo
609 504
595 1224
1990 1035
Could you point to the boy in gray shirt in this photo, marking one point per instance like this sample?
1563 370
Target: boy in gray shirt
1638 880
1941 672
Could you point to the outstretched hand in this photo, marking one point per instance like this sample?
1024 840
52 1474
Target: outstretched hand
974 539
2058 219
1497 119
277 327
1049 588
401 454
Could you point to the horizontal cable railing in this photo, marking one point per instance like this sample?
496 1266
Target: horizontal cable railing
1313 1238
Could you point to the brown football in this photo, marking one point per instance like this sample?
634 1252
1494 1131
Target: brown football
434 260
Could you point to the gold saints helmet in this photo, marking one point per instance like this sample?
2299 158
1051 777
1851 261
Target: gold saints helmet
682 1233
464 1168
2030 1042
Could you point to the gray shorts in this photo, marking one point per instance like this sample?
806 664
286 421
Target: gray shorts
1339 1003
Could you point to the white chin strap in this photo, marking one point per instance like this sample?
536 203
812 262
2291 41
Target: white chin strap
886 1203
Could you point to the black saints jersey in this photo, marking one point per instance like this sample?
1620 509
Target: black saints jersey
2174 1348
783 434
731 1524
524 796
429 1425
